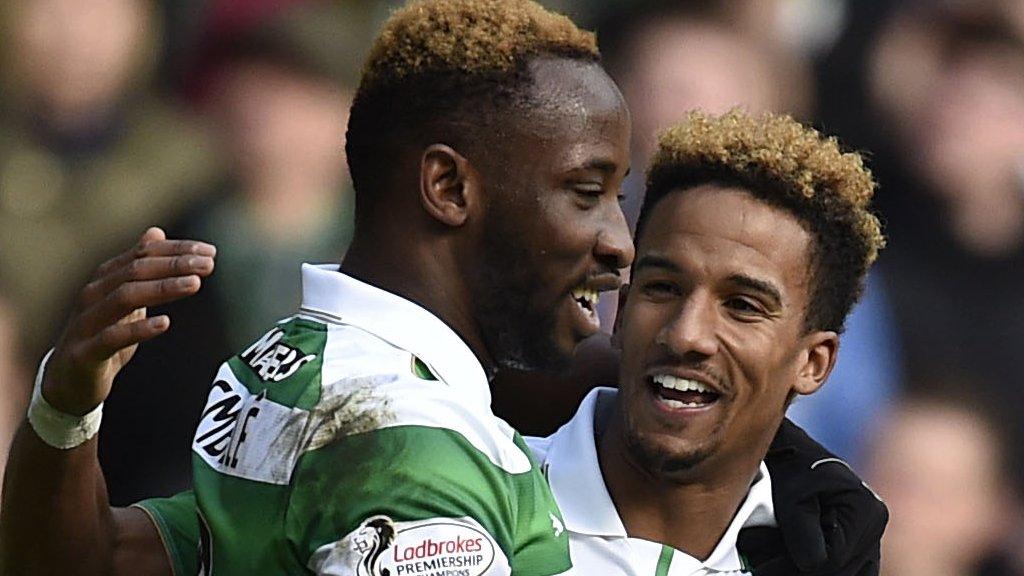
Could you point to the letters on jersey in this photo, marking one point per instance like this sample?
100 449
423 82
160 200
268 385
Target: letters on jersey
247 435
272 360
432 547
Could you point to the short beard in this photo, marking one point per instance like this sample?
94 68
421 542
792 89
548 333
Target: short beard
515 340
659 462
516 336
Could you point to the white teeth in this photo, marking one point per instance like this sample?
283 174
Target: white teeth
681 384
590 296
678 404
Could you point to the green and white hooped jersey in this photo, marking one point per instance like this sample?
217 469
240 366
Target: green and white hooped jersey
356 438
597 536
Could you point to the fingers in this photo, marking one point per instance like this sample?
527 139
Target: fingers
175 247
153 257
152 234
122 335
155 271
147 268
154 243
133 295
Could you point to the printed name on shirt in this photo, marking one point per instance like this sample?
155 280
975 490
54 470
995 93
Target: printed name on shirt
222 414
248 435
273 361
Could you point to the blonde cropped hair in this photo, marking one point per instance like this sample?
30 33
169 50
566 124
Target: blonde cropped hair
470 36
791 166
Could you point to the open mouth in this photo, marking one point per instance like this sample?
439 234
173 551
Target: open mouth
677 393
586 299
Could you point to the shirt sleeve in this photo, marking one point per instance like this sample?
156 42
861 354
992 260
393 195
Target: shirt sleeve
403 500
177 523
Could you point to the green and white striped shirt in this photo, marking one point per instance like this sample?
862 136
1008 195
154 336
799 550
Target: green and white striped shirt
356 438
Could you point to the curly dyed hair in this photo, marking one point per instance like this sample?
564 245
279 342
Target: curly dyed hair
792 167
448 70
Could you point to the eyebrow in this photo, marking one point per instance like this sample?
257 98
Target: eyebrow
600 165
654 261
763 286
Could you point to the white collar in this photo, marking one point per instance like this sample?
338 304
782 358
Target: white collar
329 293
587 508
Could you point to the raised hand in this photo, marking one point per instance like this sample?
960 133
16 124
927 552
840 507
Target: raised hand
830 522
110 320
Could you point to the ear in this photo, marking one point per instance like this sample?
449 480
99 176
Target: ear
816 361
623 296
448 184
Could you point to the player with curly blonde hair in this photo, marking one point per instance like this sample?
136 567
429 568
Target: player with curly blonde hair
790 166
752 246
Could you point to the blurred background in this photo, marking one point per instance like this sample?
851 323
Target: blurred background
224 120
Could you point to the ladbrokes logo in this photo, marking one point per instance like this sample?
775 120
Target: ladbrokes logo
429 548
426 548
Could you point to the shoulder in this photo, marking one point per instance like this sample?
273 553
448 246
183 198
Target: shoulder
539 446
370 384
307 384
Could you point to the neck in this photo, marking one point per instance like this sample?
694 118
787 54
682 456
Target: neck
690 514
404 263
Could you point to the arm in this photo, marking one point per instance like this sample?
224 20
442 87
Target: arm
55 517
419 484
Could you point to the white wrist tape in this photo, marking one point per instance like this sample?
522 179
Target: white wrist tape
60 430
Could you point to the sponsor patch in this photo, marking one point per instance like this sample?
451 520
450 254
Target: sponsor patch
246 435
434 547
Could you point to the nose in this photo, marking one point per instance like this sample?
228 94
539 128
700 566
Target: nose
614 244
691 333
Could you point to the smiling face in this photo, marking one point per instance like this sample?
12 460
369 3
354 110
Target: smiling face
553 234
712 331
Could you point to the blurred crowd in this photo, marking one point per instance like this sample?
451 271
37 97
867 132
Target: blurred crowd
224 120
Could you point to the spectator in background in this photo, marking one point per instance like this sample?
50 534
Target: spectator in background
89 156
14 380
275 79
939 465
947 88
277 88
670 57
